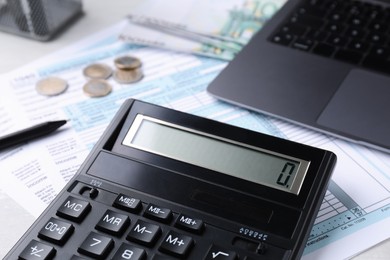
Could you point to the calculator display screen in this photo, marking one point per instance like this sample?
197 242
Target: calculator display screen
216 153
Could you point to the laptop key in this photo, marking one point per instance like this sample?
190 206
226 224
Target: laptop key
356 33
377 38
337 40
303 44
308 20
379 59
349 56
284 39
324 49
358 46
378 27
312 10
295 29
316 35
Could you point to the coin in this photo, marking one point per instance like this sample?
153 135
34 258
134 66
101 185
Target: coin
127 63
51 86
128 76
97 71
97 88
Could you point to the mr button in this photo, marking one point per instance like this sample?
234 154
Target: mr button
74 209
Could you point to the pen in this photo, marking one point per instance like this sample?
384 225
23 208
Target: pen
30 133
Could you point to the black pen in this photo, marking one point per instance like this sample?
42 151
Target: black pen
30 133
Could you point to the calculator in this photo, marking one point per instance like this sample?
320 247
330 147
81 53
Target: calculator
163 184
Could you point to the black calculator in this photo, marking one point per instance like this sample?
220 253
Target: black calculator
163 184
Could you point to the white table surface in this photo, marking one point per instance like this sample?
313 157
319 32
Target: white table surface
17 51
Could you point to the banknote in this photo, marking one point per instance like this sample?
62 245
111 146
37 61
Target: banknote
218 28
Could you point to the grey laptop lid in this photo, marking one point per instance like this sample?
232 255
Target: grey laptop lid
335 96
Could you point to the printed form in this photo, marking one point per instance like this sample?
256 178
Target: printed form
355 212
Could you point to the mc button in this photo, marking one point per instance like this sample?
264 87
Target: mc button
74 209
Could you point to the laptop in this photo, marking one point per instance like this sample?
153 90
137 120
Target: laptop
323 64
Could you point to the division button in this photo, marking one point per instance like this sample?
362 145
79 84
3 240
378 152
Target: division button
129 252
96 246
144 233
220 253
56 231
176 244
36 250
127 203
189 224
158 213
113 223
74 209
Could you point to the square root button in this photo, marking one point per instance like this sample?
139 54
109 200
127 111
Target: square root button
220 253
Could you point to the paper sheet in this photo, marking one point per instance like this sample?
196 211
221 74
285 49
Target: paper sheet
357 203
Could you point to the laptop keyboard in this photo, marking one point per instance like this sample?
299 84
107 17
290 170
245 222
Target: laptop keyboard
352 31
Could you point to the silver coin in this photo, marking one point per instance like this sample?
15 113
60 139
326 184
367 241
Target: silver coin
128 76
97 88
127 63
51 86
97 71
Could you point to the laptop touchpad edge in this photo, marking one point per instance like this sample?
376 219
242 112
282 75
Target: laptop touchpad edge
360 109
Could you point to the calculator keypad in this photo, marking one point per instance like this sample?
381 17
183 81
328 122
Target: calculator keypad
127 229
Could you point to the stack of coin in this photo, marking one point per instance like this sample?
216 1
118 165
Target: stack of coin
97 86
128 70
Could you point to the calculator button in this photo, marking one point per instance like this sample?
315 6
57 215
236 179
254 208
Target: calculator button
176 244
127 203
75 257
97 246
163 257
74 209
157 213
129 252
89 192
189 224
56 231
113 223
220 253
144 233
36 250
